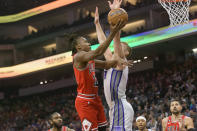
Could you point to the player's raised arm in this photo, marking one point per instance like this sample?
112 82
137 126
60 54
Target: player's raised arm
117 44
118 47
101 35
84 56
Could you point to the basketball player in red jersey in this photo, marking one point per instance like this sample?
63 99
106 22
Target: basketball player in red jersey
88 104
177 122
56 122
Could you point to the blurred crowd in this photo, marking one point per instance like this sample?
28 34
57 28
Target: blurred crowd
32 112
149 92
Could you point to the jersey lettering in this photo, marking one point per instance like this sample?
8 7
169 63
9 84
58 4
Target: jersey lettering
92 71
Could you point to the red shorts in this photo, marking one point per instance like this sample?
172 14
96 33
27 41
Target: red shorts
91 113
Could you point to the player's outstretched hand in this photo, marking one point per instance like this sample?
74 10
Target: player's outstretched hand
96 16
115 5
128 63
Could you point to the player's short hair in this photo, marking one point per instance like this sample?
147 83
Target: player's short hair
73 40
51 116
177 100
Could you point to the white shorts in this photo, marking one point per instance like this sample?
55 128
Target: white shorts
121 116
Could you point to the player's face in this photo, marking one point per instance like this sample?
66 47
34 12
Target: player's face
125 49
84 44
141 124
175 107
57 120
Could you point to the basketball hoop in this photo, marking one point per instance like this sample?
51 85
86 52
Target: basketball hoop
178 10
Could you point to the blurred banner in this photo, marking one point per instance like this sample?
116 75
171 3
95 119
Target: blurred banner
36 11
158 35
36 65
146 38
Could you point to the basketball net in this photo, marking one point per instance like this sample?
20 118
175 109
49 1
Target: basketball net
178 10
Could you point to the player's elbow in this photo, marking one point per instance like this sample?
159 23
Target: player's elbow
99 53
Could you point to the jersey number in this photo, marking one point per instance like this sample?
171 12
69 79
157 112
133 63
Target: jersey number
173 128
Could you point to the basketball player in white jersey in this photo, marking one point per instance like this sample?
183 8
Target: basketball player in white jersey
115 80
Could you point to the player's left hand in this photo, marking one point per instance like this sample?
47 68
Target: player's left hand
123 62
128 63
96 16
115 5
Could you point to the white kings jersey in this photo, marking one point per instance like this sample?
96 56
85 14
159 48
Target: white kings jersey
115 82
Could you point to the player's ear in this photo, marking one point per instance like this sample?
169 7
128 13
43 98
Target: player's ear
78 47
181 107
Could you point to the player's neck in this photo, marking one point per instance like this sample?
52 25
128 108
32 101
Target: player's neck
176 116
56 129
145 129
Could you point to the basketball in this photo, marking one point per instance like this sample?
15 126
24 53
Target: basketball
117 14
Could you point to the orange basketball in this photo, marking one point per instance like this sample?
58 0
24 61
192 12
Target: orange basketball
117 14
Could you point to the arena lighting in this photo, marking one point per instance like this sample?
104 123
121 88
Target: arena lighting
138 60
45 82
133 2
134 25
145 57
93 35
32 29
194 50
135 61
41 83
53 45
129 26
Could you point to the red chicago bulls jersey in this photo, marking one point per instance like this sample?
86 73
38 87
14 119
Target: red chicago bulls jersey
86 79
173 126
64 128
